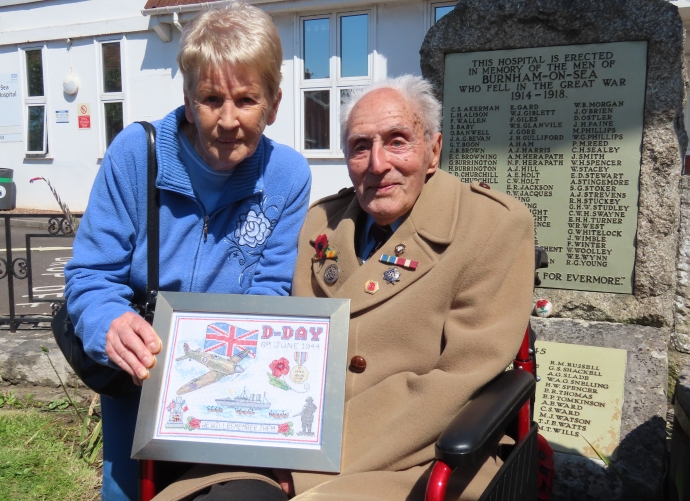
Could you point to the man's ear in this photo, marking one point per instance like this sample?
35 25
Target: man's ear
435 154
273 113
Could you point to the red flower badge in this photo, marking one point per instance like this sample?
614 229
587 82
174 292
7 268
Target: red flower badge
320 244
280 367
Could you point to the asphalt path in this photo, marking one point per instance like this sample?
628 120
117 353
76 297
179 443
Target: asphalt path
48 257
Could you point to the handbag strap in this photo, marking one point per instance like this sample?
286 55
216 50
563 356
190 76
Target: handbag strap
153 223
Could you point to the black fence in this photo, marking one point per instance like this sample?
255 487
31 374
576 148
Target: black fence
16 269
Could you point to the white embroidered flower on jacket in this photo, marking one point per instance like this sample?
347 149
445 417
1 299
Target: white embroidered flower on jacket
252 229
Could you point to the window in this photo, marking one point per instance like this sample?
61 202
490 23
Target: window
336 58
35 103
112 97
438 10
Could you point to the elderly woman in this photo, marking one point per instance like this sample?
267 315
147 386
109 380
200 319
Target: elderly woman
232 204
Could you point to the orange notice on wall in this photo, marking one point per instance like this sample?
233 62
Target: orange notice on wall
84 116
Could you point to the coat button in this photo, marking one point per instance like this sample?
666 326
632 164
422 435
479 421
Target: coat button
358 364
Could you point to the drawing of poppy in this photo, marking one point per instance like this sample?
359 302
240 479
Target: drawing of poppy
185 409
541 303
194 423
285 428
280 367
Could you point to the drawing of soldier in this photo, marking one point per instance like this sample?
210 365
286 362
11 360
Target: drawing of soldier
307 417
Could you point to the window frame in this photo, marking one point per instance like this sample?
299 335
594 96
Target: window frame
335 83
432 10
33 101
110 97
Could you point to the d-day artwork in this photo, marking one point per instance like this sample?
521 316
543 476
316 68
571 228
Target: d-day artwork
244 379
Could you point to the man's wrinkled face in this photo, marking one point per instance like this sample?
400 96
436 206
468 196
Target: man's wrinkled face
388 157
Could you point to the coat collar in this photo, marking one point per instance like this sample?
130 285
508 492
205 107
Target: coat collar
432 222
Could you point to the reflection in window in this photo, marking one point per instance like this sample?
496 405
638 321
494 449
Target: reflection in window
317 48
114 122
439 12
34 72
112 69
317 120
36 129
354 47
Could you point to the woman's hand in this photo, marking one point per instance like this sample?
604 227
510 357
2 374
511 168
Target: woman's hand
132 344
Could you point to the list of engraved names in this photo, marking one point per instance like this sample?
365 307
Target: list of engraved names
560 129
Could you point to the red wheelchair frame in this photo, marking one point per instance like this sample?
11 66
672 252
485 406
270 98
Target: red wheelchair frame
504 406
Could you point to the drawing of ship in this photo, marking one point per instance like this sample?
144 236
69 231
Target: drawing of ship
278 414
214 408
253 401
245 412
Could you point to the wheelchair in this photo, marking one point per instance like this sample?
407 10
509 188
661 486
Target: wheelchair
503 407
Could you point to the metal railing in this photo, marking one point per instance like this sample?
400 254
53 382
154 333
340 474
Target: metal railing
20 268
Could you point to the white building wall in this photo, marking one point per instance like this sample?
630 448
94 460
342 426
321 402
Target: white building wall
152 84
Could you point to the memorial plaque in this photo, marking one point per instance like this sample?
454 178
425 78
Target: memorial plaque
580 396
559 128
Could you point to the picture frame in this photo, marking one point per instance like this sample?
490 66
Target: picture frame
246 380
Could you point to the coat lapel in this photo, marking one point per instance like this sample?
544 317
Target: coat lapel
428 229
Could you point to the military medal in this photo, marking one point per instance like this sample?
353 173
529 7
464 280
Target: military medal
331 274
400 249
391 275
398 261
371 287
299 373
323 250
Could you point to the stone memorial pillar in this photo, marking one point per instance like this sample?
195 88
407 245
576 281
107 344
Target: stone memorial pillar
576 109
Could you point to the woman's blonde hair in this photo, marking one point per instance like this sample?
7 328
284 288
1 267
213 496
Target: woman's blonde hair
234 34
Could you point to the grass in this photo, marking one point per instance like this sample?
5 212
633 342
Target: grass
40 457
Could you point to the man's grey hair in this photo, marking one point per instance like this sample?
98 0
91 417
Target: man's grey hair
416 91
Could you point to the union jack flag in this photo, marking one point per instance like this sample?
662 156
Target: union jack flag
228 340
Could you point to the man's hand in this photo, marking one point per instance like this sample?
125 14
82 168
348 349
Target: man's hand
284 478
132 344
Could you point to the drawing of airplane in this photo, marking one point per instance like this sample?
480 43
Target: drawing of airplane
220 367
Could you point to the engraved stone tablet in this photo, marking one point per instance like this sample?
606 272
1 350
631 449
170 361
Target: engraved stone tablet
559 128
580 396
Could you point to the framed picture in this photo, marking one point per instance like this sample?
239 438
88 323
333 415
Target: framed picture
256 381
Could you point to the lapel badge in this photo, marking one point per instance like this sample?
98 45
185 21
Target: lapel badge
371 287
399 261
323 250
391 275
400 249
331 274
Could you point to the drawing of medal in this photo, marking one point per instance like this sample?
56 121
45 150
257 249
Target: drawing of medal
299 373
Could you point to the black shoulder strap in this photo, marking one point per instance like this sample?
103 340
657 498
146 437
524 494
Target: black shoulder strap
152 225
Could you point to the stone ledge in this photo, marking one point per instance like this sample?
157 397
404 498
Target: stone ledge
641 455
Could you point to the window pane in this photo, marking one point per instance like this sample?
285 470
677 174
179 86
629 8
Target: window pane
317 120
317 48
113 121
442 11
112 71
34 72
36 128
354 46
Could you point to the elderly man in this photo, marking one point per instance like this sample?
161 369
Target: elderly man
428 329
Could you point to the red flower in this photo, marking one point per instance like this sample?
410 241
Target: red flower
541 303
280 367
320 244
194 423
185 409
284 428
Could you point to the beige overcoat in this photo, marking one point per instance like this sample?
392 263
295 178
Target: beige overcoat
430 341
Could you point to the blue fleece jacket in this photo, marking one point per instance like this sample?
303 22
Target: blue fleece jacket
247 245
